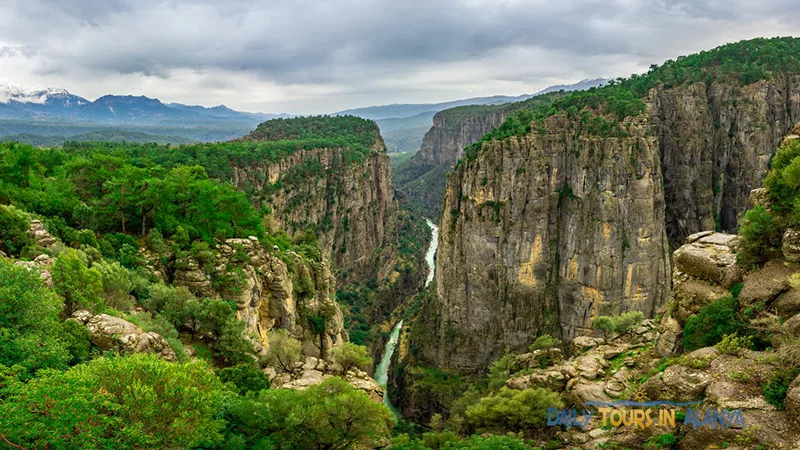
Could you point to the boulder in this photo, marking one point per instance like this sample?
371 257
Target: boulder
42 236
760 197
582 343
792 401
303 379
788 303
790 245
670 335
690 296
764 285
109 332
709 256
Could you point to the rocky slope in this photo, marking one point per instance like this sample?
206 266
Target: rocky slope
272 290
540 233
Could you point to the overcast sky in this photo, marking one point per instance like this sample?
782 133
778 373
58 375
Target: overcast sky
316 56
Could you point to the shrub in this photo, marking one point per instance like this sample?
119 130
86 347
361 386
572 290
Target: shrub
283 350
712 323
512 410
245 377
14 230
621 324
77 340
777 387
117 284
760 237
349 355
81 287
137 401
733 344
545 342
30 335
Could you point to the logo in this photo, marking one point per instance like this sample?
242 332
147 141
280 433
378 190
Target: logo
643 415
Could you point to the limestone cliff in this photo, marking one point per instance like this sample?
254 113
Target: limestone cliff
716 142
444 143
538 234
349 205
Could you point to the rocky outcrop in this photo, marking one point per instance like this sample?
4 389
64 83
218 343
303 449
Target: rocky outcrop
267 295
42 265
540 234
43 238
313 371
349 204
112 333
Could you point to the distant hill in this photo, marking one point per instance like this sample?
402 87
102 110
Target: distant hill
110 135
404 125
413 109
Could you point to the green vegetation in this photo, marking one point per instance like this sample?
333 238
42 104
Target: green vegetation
109 135
350 356
712 324
621 324
777 387
512 410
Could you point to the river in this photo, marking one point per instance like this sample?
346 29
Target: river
382 371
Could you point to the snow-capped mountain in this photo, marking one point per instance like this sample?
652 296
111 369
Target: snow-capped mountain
58 104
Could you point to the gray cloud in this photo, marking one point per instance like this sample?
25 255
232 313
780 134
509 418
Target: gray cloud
363 50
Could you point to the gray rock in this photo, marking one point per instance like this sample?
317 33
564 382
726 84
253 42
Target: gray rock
765 284
109 332
791 245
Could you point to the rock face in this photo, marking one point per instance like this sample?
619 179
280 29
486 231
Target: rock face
444 143
42 236
540 234
108 332
349 204
267 297
716 142
314 371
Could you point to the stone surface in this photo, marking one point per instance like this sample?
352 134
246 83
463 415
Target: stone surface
709 257
764 285
790 245
692 295
109 332
42 236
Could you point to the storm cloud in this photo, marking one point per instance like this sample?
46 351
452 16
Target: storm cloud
324 55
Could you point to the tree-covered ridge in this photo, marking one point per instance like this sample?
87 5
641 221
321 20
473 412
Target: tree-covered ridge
743 63
351 128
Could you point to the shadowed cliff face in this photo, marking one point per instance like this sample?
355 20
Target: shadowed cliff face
716 143
538 234
444 143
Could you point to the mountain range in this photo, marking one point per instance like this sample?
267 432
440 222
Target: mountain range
59 105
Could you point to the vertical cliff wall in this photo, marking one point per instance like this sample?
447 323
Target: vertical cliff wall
348 202
541 232
716 142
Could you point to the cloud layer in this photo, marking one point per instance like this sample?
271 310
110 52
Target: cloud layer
321 55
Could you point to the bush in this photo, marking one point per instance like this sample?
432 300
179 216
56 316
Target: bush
512 410
349 355
14 231
545 342
81 287
733 344
137 401
330 415
30 334
77 340
621 324
760 237
712 323
777 387
169 302
246 378
283 351
117 284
